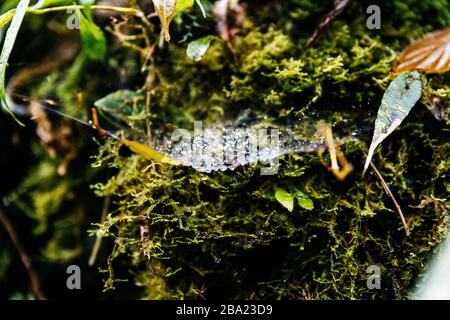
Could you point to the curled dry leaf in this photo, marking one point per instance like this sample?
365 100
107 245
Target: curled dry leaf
230 16
165 9
430 54
399 98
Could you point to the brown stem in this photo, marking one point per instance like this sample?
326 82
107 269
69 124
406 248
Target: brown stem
388 191
329 18
26 260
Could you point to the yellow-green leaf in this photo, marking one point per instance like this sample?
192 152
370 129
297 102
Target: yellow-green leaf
183 5
6 17
285 198
148 152
303 200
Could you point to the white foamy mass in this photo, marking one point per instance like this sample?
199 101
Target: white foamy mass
225 148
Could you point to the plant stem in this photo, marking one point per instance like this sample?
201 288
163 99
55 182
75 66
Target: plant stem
24 256
339 6
391 195
95 7
98 239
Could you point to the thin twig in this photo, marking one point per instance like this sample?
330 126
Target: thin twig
388 191
329 18
98 239
26 260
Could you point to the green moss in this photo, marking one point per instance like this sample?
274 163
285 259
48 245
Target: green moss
224 234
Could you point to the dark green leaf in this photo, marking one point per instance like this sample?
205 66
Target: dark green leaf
119 105
92 38
183 5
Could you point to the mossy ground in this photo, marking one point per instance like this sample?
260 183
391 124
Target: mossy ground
223 234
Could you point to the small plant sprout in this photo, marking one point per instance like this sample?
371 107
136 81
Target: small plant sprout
336 155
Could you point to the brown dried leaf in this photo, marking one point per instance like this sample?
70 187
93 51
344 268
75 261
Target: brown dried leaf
230 16
430 54
57 140
165 9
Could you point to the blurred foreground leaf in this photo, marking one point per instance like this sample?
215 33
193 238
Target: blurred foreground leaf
8 45
6 17
92 37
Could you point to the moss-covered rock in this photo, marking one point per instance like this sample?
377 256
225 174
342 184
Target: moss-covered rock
179 233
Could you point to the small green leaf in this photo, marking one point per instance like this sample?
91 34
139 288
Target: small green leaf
183 5
120 101
6 17
8 46
197 48
285 198
119 105
398 100
92 37
303 200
